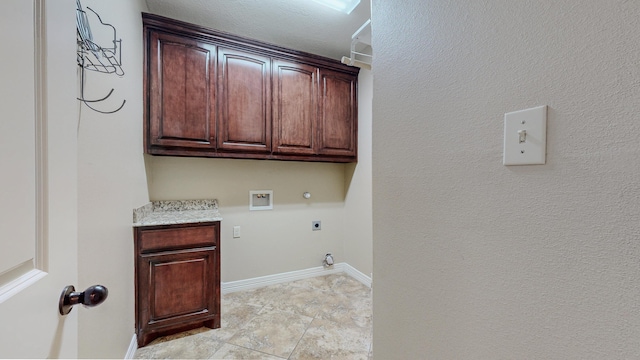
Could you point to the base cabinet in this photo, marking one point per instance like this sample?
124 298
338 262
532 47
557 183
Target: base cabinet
177 279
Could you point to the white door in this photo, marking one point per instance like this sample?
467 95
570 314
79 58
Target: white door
38 177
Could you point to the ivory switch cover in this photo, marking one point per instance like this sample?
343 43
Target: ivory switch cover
525 137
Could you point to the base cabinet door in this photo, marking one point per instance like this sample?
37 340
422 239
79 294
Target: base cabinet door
177 280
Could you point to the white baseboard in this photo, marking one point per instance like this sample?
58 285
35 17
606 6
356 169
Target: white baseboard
356 274
133 346
258 282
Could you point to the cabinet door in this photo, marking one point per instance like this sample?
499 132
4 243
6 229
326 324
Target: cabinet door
338 114
244 86
177 279
182 92
177 287
295 110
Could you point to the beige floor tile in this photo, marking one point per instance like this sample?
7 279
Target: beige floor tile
273 332
234 316
188 345
257 297
348 310
303 301
229 351
330 340
326 317
325 283
352 287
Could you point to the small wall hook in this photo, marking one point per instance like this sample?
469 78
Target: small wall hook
306 195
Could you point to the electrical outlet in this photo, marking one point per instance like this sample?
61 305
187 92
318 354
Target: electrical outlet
236 232
316 225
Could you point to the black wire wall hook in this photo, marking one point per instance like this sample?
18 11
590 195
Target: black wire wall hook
86 102
91 56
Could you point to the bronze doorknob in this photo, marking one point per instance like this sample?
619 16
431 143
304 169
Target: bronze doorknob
92 296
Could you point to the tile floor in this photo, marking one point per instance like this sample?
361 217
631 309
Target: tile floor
326 317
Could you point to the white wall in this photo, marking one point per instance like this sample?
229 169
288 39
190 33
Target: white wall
358 227
272 241
475 260
111 183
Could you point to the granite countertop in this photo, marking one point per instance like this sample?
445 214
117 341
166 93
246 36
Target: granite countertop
176 212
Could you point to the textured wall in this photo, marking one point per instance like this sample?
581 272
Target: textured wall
111 182
475 260
358 227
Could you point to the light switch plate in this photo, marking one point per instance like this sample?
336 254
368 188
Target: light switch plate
525 137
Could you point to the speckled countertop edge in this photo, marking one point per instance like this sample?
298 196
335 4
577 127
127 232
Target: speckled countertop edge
176 212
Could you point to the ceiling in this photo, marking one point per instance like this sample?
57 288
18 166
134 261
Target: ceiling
298 24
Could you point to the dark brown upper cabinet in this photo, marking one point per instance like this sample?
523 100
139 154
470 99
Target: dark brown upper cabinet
213 94
295 108
182 92
245 94
338 114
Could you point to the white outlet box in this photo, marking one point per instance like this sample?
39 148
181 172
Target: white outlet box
236 232
260 200
525 137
